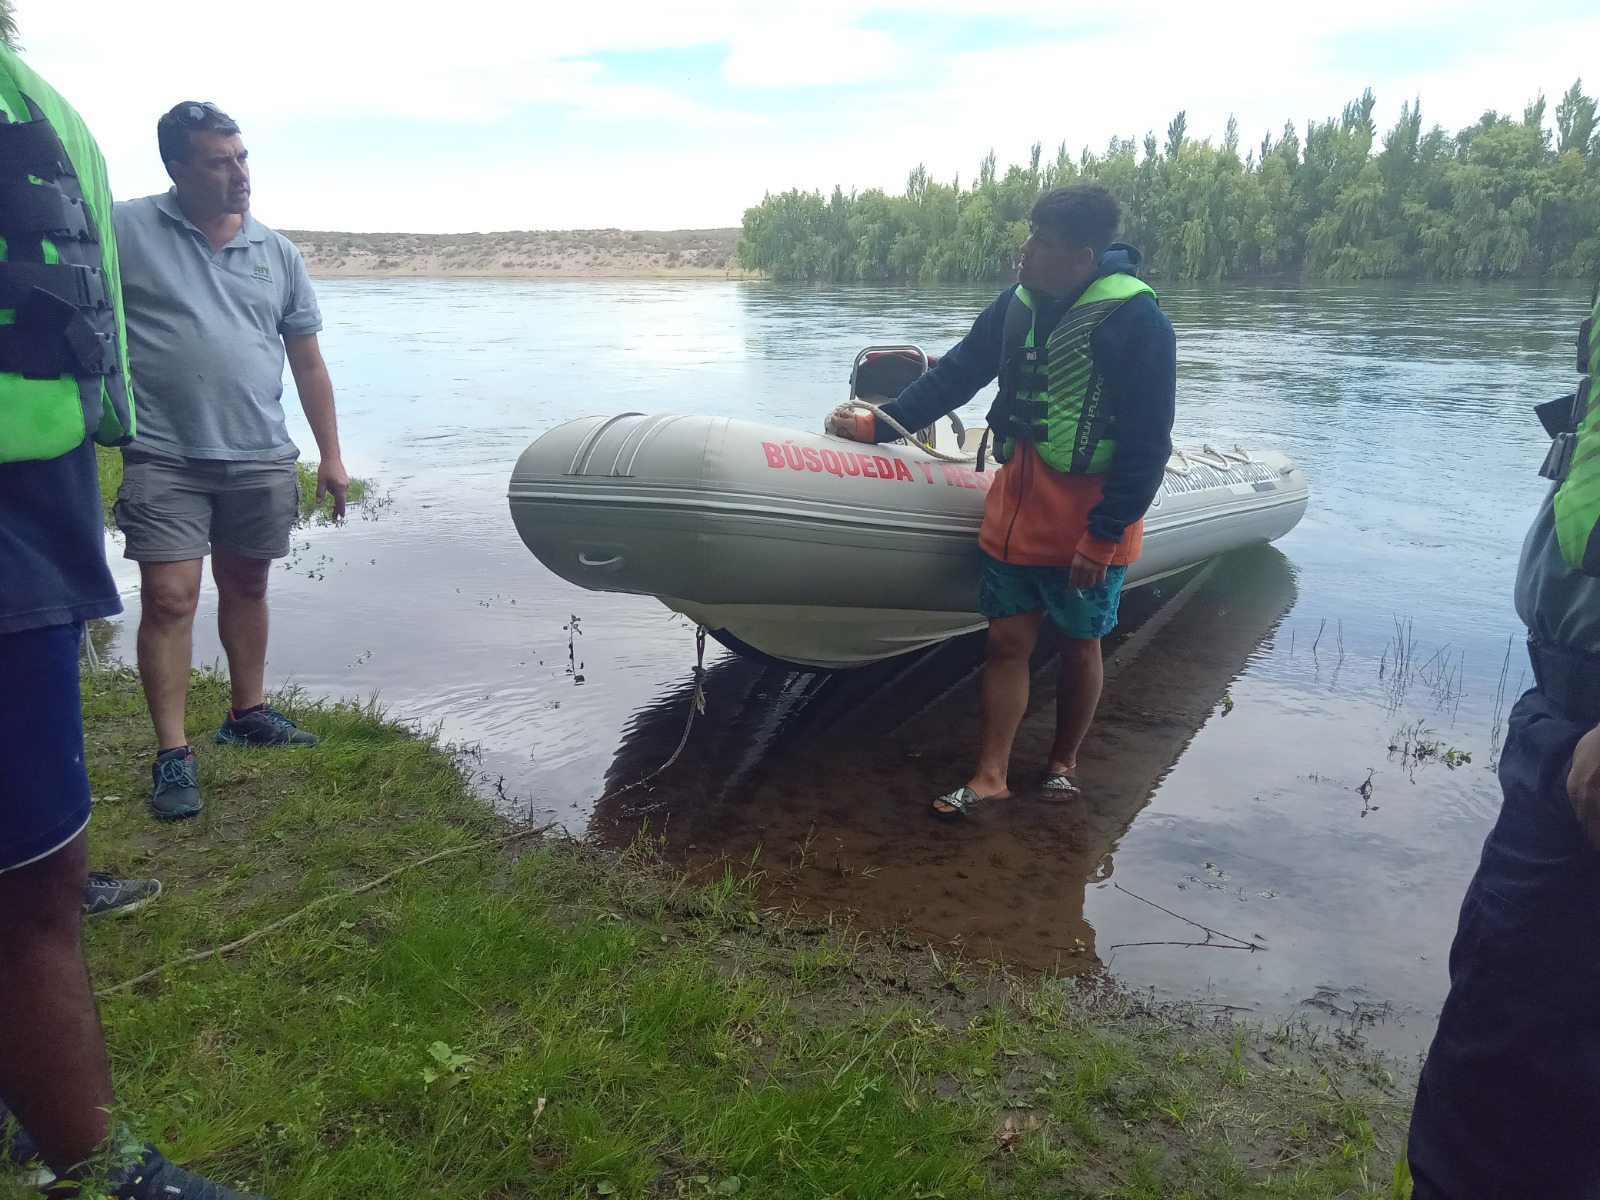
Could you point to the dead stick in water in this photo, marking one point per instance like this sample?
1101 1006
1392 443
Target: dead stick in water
1243 943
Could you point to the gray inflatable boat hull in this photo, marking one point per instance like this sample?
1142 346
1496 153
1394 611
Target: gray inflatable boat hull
820 552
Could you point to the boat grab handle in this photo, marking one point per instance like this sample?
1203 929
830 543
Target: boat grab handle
585 560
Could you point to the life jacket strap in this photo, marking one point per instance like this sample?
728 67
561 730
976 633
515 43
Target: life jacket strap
1561 419
42 210
1023 372
52 337
33 148
81 286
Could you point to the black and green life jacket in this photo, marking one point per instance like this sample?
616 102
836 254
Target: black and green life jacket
1051 395
63 349
1574 461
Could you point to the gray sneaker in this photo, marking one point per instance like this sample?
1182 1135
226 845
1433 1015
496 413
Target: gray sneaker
176 791
154 1177
106 893
263 726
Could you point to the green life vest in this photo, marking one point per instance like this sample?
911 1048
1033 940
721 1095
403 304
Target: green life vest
63 353
1574 459
1051 395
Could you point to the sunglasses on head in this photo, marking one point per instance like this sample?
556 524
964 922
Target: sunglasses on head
195 113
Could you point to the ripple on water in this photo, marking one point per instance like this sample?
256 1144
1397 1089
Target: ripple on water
1229 741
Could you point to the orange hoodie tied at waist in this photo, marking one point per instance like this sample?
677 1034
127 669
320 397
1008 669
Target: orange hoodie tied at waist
1036 516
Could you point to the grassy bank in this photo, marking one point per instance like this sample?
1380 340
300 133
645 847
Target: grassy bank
548 1019
110 464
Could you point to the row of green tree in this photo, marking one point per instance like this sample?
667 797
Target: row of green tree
1503 197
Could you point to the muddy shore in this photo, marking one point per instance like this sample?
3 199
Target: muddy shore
574 1021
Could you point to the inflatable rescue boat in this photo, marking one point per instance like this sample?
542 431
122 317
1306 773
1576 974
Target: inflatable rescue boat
821 553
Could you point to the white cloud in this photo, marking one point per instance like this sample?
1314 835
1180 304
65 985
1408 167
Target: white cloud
799 94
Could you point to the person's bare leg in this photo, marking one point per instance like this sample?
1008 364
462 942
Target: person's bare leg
168 594
1077 696
54 1074
1004 699
242 622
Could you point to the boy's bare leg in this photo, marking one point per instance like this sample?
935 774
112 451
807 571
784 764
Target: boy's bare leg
54 1074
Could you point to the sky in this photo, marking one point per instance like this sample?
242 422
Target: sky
478 115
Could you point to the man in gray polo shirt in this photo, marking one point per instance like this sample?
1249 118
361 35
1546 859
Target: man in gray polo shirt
215 303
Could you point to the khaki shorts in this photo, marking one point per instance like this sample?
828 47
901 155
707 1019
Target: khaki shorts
172 509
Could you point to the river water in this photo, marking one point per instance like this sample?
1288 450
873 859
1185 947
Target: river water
1246 711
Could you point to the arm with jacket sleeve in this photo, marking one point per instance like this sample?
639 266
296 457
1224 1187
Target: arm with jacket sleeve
1136 353
969 366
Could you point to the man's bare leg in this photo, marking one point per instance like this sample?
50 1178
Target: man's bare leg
1077 696
54 1074
1004 699
242 622
168 594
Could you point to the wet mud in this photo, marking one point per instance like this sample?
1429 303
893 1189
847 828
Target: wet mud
824 782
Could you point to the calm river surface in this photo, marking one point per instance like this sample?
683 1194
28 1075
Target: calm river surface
1225 776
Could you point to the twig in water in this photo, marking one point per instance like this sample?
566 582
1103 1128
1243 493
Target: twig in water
1499 705
1239 942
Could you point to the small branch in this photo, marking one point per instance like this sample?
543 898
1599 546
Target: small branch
1240 943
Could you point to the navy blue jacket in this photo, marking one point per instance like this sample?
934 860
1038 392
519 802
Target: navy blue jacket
1136 354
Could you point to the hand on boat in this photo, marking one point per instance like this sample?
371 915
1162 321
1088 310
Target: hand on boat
1085 572
1583 783
850 422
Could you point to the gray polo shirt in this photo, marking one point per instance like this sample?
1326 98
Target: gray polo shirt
205 331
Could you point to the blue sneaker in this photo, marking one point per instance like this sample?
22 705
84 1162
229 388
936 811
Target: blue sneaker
106 893
16 1147
154 1177
176 791
262 726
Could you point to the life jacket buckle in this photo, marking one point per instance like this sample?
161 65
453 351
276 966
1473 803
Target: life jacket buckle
1559 461
1560 416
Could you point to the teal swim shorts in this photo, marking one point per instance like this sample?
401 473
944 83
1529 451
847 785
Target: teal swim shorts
1007 589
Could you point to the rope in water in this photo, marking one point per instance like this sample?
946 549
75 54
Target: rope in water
697 706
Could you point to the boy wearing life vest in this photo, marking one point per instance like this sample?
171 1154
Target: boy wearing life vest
216 301
63 381
1509 1099
1082 427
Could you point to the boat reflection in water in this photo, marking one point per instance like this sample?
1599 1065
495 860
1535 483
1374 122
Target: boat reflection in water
824 781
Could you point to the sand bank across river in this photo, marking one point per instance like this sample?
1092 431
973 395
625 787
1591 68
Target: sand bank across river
529 254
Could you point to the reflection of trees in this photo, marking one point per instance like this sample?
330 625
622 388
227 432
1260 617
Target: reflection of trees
1500 197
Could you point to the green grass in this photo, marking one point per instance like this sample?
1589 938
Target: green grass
553 1019
110 464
